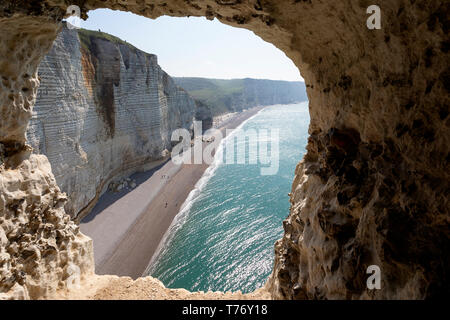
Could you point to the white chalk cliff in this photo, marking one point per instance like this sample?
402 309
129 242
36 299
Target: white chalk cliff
116 111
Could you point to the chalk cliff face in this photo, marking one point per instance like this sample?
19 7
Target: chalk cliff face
103 109
372 188
269 92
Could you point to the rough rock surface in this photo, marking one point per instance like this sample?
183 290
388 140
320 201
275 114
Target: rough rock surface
41 250
116 112
204 113
145 288
373 186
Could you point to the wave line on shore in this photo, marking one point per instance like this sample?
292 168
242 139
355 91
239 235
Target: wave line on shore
183 214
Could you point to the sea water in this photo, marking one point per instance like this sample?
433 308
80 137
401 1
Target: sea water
223 238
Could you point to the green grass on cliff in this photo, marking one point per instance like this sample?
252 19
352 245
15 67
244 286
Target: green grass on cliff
223 96
216 93
87 35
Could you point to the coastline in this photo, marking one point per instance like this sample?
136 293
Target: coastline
180 218
124 244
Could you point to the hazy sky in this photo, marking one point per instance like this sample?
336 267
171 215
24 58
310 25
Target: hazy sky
197 47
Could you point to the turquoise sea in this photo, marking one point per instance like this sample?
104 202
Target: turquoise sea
223 238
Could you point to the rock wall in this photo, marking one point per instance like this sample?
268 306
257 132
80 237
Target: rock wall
41 250
373 186
104 109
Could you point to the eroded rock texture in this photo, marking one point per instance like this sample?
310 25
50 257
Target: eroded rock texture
373 186
104 109
41 250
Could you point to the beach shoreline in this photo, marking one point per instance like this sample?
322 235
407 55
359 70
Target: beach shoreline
124 244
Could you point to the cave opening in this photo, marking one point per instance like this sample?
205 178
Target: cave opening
117 76
374 96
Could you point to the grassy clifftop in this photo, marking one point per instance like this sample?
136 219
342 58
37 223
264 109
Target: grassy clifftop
87 35
215 93
236 94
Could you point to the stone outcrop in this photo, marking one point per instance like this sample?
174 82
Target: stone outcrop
41 250
373 185
116 112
